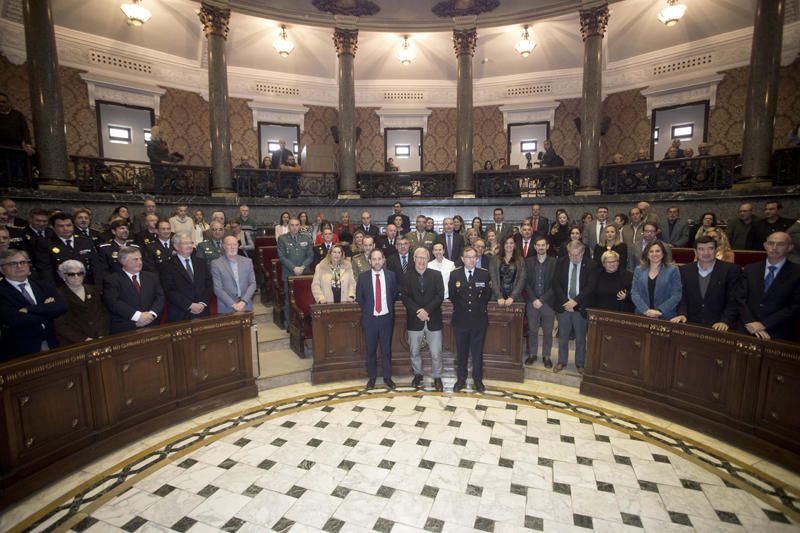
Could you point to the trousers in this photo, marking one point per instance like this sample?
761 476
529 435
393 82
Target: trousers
434 339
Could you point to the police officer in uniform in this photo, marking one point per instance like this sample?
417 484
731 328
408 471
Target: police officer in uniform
51 251
149 233
161 250
82 218
110 250
470 290
212 248
296 252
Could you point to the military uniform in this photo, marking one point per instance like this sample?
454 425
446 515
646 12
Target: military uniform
51 252
470 319
360 264
144 238
109 252
424 240
294 251
32 237
320 252
89 233
157 254
17 238
210 250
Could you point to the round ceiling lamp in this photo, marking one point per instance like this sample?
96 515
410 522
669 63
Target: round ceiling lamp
283 45
406 54
137 14
671 13
525 45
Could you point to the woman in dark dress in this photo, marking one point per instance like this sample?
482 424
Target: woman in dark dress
575 234
611 242
613 290
559 231
507 272
86 317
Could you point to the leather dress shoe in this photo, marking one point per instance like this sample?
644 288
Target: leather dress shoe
417 380
547 363
558 368
370 383
389 383
479 386
437 384
530 360
459 386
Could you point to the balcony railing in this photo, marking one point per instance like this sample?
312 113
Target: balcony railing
15 168
535 182
406 184
786 166
94 174
687 174
252 182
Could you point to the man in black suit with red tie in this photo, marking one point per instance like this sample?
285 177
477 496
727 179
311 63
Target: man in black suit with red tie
539 223
134 296
769 295
27 308
186 280
376 292
527 242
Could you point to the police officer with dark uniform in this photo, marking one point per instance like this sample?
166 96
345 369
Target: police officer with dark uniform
109 250
161 250
51 251
82 219
470 290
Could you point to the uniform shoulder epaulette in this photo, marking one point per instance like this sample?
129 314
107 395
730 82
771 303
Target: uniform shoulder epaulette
104 244
481 268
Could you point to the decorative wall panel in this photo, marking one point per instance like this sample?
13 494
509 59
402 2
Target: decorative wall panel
439 144
369 147
566 139
629 129
489 136
244 139
184 125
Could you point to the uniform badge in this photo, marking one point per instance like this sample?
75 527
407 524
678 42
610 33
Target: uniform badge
56 250
158 252
88 296
458 284
114 255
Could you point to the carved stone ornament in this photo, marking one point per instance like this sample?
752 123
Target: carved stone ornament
594 21
464 41
352 8
462 8
345 41
215 20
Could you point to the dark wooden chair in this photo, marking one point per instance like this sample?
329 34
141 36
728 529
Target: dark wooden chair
265 256
279 297
745 257
683 256
300 322
266 240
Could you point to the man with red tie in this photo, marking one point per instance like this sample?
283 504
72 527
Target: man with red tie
376 291
527 240
540 224
134 297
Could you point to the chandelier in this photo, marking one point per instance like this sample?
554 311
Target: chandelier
525 45
283 45
406 54
672 13
137 14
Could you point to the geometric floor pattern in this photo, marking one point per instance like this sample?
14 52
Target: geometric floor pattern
353 460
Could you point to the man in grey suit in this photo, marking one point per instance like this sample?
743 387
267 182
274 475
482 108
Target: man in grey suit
595 232
649 235
676 233
234 279
632 236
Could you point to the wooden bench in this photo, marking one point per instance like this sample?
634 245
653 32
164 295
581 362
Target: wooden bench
745 257
300 323
265 256
683 256
266 240
279 297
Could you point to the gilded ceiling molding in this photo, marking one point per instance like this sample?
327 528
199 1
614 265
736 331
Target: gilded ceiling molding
345 41
464 41
351 8
462 8
594 21
214 19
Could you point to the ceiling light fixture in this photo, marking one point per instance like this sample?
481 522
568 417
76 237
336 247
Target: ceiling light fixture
406 54
672 13
525 45
283 45
137 14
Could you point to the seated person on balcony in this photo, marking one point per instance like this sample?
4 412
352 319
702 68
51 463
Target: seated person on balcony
672 153
158 152
86 317
642 155
181 222
234 279
528 160
703 149
244 163
109 251
617 159
550 158
501 164
488 165
772 222
291 165
390 166
27 308
280 157
688 152
676 144
769 294
13 127
133 296
266 163
186 279
333 279
656 291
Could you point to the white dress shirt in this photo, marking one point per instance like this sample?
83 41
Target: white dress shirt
445 267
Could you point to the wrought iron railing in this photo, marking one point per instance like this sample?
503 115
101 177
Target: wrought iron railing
406 184
94 174
15 168
786 166
535 182
259 183
687 174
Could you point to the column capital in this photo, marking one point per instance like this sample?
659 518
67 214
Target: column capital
594 21
214 19
464 41
345 41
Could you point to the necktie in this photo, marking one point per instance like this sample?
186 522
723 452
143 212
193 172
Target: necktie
404 262
449 245
189 268
768 280
602 229
525 249
40 233
573 282
497 228
469 276
378 304
216 245
26 294
69 243
136 286
535 223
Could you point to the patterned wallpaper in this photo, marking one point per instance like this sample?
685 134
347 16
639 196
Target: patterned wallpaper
244 138
629 129
489 139
439 145
565 138
787 115
370 145
317 125
184 125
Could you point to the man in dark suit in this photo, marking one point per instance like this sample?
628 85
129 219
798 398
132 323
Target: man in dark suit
37 229
367 226
573 288
539 223
709 288
186 280
769 294
676 232
62 245
400 262
82 218
133 296
452 241
595 231
422 292
149 233
501 229
281 155
539 272
398 211
388 243
376 292
109 251
527 240
470 290
160 251
482 259
27 308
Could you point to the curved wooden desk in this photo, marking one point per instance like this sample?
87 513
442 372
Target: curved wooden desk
66 407
731 386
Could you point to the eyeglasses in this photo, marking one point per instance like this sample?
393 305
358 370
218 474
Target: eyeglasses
74 274
16 264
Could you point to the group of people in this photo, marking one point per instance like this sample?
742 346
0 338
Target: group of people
65 282
558 270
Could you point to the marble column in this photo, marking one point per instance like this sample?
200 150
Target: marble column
464 41
215 25
46 102
593 27
346 42
762 92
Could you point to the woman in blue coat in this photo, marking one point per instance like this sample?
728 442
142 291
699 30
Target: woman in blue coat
656 290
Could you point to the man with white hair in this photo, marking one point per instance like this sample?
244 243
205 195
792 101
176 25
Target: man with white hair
134 296
186 279
648 216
